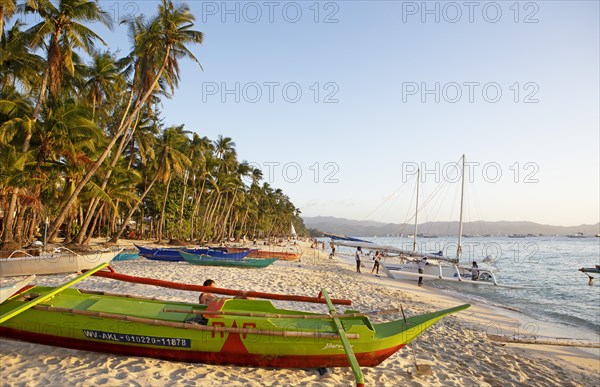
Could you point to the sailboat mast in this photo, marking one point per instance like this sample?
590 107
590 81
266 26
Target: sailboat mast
416 212
462 199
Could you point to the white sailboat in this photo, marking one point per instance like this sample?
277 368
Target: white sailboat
438 267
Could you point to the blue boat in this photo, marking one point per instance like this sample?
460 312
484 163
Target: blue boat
172 254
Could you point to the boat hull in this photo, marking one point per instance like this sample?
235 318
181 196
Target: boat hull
143 327
53 264
237 358
205 260
284 256
172 255
595 270
409 271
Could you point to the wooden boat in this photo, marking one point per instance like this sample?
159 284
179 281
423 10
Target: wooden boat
172 254
206 260
284 256
229 331
7 291
591 269
126 256
62 260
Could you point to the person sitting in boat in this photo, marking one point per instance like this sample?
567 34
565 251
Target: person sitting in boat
475 271
205 298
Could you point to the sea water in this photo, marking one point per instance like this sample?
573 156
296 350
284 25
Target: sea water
547 289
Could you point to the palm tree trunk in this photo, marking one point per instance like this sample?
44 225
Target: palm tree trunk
196 209
19 224
210 218
90 235
116 237
125 124
162 212
95 201
226 218
9 219
182 202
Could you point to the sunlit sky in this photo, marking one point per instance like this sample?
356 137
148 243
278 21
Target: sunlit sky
338 102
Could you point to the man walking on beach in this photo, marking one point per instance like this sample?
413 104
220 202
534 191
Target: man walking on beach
376 260
358 256
421 265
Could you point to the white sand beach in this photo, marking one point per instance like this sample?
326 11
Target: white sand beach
457 348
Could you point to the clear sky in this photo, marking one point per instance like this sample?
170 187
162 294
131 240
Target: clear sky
337 102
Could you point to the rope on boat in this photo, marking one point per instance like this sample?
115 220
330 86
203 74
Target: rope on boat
181 325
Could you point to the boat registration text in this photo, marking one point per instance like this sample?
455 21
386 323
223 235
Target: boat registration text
138 339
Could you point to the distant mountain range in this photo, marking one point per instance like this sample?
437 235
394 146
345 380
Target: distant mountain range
352 227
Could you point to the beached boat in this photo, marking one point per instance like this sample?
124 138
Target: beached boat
284 256
9 290
229 331
126 256
61 260
172 254
207 260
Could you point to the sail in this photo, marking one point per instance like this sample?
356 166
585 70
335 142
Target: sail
293 230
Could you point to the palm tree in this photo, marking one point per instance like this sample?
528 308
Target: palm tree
7 9
18 66
104 80
168 35
173 161
58 22
169 161
62 22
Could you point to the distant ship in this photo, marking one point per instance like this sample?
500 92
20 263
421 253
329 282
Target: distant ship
578 235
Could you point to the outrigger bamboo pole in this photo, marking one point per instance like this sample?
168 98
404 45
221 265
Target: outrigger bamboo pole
271 315
182 325
208 289
53 292
358 375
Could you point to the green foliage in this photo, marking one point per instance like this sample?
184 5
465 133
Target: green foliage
62 102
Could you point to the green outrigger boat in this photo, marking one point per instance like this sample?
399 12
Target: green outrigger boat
206 260
226 331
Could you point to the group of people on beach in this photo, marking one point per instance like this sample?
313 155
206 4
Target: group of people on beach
376 260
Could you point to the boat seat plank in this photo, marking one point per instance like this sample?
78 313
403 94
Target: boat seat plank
134 308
